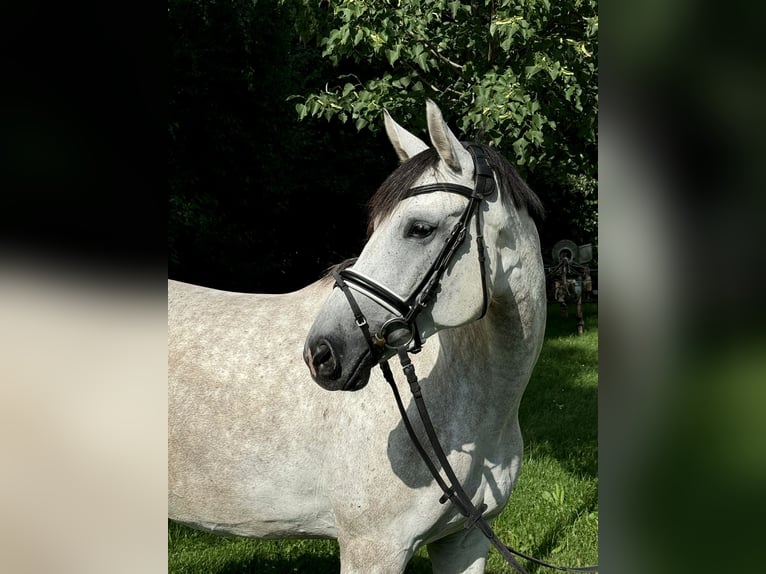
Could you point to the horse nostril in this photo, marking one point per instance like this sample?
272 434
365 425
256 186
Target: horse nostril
323 359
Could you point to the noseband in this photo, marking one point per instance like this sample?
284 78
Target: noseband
402 335
402 330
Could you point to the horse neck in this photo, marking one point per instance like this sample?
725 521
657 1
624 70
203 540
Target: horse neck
499 350
490 355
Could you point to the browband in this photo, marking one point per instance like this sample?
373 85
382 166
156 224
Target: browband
448 187
485 182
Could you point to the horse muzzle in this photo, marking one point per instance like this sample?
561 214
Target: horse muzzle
342 346
334 368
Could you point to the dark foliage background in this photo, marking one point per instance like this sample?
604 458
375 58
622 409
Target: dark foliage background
257 200
260 201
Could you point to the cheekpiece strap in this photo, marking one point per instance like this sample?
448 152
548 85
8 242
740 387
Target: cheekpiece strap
485 180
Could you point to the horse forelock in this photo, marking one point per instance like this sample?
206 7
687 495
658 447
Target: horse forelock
396 186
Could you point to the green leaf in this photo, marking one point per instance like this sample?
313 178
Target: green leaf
422 61
345 35
535 136
455 6
393 54
530 71
519 146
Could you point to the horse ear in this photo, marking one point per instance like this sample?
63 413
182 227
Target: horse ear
405 144
449 148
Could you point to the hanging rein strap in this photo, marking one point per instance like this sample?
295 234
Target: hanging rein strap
453 492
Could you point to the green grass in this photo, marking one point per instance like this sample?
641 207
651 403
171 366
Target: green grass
553 511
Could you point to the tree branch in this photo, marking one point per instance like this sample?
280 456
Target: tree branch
433 50
455 65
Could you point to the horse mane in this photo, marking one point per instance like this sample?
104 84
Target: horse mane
337 267
396 185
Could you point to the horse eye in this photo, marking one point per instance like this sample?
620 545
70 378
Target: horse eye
420 230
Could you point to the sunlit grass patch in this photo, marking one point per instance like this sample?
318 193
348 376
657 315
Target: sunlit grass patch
553 511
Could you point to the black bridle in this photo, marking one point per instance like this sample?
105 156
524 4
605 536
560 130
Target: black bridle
402 335
402 329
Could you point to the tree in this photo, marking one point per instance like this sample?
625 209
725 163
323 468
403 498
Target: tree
521 74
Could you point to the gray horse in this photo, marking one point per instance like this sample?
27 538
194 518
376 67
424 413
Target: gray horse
259 449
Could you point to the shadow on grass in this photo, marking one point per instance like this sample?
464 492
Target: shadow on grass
309 564
304 564
192 551
554 535
559 411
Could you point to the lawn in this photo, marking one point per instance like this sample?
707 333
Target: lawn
553 511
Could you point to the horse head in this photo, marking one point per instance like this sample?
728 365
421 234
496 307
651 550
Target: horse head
441 235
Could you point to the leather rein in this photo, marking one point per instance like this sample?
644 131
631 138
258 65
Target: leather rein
402 335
